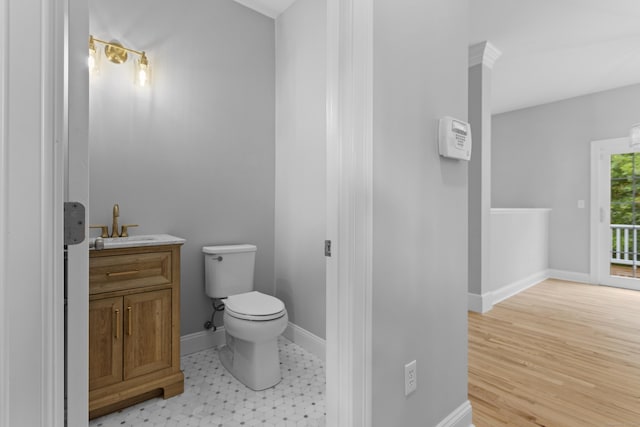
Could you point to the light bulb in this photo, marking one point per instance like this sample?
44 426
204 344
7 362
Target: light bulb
143 71
93 57
142 76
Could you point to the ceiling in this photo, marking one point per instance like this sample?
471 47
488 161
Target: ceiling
271 8
551 49
557 49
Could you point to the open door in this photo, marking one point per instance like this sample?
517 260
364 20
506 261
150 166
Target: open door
76 189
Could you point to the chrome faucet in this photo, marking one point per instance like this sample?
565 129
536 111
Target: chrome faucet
114 226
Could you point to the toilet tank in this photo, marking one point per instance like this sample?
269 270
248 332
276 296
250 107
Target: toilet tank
228 269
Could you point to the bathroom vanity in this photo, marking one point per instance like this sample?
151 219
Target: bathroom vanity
134 322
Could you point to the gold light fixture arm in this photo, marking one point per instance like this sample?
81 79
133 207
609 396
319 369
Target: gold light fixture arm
115 45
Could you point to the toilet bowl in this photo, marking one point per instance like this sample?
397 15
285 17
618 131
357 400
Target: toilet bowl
252 320
251 351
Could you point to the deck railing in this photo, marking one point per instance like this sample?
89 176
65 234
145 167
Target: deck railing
624 244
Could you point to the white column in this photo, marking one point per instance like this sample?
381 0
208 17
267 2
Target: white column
482 57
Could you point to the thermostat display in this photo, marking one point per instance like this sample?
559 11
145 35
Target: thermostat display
454 138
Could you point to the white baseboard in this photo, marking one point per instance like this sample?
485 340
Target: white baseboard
460 417
479 303
198 341
570 276
305 339
485 302
516 287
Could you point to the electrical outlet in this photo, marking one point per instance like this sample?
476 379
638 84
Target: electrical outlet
410 378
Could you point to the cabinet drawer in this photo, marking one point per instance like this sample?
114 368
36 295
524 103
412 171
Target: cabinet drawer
119 272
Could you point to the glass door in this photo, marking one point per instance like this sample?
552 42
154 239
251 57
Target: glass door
616 213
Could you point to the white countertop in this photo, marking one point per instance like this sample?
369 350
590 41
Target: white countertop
135 241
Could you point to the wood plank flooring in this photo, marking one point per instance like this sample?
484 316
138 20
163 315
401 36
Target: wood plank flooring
558 354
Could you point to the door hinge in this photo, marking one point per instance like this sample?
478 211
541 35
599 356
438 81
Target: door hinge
74 223
327 248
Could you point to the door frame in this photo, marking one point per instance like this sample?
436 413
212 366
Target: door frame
349 275
600 211
4 190
37 222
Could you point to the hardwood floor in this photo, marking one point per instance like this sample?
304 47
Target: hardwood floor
558 354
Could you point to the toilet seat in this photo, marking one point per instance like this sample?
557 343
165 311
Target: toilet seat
254 306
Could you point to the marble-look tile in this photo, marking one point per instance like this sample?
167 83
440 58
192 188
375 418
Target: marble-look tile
214 398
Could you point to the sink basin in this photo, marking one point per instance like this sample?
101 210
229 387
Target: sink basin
143 240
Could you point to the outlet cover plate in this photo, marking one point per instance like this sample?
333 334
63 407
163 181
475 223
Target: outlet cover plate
410 378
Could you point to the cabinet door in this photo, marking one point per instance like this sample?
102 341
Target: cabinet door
147 343
105 342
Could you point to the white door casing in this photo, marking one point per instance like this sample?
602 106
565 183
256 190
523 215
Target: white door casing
4 189
349 211
31 215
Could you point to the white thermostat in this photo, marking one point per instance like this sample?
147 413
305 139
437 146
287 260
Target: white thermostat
454 138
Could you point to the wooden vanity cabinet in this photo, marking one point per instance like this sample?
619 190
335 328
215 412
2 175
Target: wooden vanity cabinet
134 326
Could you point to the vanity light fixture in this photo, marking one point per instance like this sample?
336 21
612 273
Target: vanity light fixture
118 54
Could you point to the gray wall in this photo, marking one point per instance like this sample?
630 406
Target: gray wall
301 163
419 211
194 154
541 158
519 247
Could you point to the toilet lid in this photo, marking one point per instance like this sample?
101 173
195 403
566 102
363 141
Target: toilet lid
254 306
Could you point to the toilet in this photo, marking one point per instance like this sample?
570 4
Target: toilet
252 320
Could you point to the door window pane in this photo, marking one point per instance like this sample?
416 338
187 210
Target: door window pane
625 214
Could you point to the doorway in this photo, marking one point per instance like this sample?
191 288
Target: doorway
348 214
615 213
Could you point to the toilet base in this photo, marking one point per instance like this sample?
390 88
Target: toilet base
256 365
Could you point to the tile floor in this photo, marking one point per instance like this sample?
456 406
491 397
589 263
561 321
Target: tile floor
213 397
